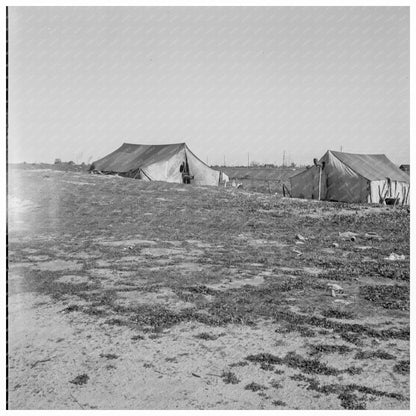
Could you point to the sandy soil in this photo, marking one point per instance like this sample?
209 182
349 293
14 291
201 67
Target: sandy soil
174 370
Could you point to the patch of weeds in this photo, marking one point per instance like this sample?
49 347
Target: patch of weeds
278 403
229 377
276 385
387 296
293 360
338 314
313 384
329 349
239 364
202 289
267 366
159 317
147 365
279 371
342 327
171 360
301 377
106 298
306 332
365 355
393 271
264 357
137 337
109 356
287 329
207 336
187 297
290 284
115 321
94 311
46 282
402 367
81 379
303 330
353 370
351 401
352 338
255 387
110 367
72 308
374 392
309 366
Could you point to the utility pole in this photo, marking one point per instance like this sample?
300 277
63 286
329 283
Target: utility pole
224 160
7 87
284 153
248 160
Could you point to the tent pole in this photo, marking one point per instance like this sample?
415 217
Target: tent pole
319 186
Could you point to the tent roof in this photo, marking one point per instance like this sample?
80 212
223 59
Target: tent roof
372 167
132 156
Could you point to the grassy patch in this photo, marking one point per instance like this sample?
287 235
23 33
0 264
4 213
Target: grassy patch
278 403
239 364
329 349
365 355
229 377
267 366
294 360
313 384
81 379
115 321
338 314
387 296
351 401
303 330
402 367
109 356
276 384
254 387
352 338
207 336
72 308
342 327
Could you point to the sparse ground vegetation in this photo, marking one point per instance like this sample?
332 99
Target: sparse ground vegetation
127 294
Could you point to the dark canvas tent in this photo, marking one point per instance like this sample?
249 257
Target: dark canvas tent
351 177
165 162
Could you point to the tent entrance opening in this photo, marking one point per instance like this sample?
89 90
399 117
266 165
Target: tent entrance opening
186 175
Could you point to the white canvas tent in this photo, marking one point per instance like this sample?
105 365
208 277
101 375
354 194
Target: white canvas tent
351 177
167 162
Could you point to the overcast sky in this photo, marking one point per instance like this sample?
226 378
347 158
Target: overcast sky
228 81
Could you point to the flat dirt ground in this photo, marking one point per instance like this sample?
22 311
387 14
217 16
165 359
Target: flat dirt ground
124 294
